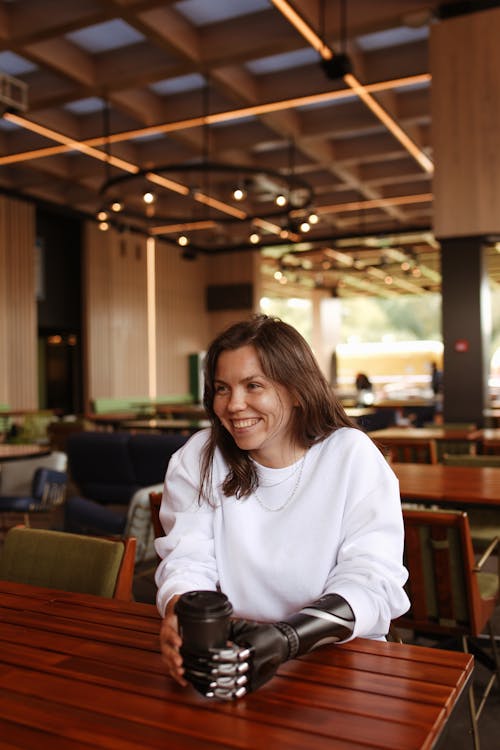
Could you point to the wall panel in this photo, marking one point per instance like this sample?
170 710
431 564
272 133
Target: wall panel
18 325
465 66
115 314
232 268
181 319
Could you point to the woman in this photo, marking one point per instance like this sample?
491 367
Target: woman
285 506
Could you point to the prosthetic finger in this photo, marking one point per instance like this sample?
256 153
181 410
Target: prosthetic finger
218 673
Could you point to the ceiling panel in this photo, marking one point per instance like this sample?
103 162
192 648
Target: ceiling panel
117 86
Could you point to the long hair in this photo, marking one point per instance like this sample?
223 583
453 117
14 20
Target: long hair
286 359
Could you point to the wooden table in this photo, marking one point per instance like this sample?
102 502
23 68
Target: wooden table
79 671
113 419
459 486
492 416
423 434
489 438
13 451
166 425
186 411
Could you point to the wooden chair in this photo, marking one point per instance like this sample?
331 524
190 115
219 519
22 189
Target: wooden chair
155 503
484 522
399 450
69 562
450 595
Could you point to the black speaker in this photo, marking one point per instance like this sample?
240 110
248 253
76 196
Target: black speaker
337 67
229 297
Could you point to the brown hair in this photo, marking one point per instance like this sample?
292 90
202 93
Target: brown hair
287 359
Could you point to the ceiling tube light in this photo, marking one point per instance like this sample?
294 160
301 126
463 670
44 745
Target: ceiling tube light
398 132
71 144
356 86
66 144
401 200
303 28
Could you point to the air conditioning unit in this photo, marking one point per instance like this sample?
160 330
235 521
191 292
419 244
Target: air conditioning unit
13 94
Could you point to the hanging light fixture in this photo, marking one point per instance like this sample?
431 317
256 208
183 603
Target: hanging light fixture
190 199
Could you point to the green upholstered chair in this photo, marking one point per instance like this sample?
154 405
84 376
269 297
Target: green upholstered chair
69 562
451 596
484 522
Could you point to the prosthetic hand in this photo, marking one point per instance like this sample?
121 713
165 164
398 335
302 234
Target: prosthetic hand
255 651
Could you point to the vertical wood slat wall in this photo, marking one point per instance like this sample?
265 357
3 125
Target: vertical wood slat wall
18 322
181 319
465 65
115 314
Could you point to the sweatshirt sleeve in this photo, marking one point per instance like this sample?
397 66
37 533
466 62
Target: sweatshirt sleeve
369 572
187 549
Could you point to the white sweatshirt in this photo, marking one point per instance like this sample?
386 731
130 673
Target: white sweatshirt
341 531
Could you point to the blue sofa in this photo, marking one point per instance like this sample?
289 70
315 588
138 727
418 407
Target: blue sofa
112 474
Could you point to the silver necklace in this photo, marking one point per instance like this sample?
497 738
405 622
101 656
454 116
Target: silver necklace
285 479
292 493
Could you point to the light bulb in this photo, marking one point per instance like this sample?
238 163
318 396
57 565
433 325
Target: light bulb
280 200
102 215
104 226
254 238
239 194
313 218
117 206
183 240
148 198
304 226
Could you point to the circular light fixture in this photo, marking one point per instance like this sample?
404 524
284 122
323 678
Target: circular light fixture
254 238
313 218
183 240
196 185
103 226
117 206
102 215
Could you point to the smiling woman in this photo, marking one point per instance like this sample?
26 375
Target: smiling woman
285 507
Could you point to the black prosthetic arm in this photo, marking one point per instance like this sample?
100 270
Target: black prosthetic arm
328 620
256 650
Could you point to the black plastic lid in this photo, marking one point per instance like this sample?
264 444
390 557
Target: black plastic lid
203 604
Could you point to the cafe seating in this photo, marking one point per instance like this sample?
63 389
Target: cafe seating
399 450
451 595
47 492
69 562
484 522
155 499
113 474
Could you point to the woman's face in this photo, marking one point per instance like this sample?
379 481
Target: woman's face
255 410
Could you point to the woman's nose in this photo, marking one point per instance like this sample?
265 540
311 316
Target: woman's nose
237 400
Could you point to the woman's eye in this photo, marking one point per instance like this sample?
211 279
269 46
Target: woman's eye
220 389
254 386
